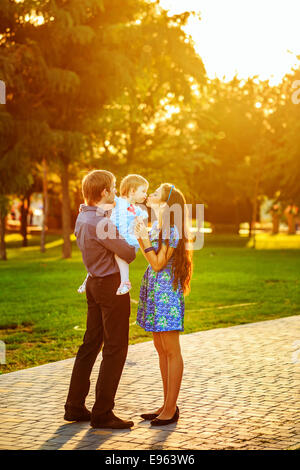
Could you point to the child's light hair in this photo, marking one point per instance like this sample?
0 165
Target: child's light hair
132 182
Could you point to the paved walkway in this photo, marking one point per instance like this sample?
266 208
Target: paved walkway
240 390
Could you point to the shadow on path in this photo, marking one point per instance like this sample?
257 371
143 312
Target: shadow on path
78 436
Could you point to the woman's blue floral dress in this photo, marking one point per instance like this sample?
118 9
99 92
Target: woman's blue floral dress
161 307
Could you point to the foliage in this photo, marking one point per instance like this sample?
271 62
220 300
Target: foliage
286 124
118 85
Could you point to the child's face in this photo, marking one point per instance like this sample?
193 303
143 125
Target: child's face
140 194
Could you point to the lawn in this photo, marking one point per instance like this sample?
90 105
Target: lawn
42 317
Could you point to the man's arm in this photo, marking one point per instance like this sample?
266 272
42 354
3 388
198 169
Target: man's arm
110 238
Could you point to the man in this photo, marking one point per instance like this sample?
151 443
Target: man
108 313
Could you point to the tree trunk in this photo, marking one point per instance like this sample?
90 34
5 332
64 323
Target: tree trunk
2 238
275 223
249 216
237 216
66 211
24 218
254 212
291 224
45 206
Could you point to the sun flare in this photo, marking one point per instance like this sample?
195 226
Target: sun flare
247 38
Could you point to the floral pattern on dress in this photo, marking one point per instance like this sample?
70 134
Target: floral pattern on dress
161 307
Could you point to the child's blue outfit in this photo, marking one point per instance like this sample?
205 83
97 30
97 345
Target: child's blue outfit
123 216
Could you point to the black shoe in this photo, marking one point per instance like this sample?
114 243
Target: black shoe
110 421
149 416
164 422
77 414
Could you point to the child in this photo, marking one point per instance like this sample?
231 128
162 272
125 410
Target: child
133 189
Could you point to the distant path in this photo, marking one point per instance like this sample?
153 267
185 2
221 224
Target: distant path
240 390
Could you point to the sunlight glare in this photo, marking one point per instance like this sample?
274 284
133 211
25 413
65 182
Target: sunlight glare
246 38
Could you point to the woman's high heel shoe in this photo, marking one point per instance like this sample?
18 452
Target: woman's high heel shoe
164 422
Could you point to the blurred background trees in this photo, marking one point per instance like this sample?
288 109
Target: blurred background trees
118 85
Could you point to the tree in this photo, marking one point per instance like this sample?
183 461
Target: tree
14 166
154 126
229 185
45 204
23 130
286 126
25 196
68 70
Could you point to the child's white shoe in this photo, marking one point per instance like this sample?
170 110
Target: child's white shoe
82 288
124 288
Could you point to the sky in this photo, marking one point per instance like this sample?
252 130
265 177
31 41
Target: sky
244 37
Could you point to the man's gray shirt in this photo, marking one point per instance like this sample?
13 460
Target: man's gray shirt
92 230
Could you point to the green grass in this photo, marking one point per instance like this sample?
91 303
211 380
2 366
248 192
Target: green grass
42 317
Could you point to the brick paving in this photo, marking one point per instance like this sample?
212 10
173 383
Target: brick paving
240 390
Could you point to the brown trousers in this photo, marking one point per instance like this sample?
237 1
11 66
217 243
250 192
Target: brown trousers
107 326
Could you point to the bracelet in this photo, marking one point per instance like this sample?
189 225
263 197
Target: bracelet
149 249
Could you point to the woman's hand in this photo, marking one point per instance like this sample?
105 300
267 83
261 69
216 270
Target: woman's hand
140 229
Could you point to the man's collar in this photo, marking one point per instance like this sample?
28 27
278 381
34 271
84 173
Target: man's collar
85 208
97 209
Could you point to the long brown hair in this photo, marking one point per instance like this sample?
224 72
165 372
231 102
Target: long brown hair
182 265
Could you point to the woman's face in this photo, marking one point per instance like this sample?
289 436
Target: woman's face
154 199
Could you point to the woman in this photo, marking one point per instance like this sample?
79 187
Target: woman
166 280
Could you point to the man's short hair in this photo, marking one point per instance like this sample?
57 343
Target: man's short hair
132 182
94 183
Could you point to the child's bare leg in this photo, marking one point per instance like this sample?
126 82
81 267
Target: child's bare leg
124 268
125 285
